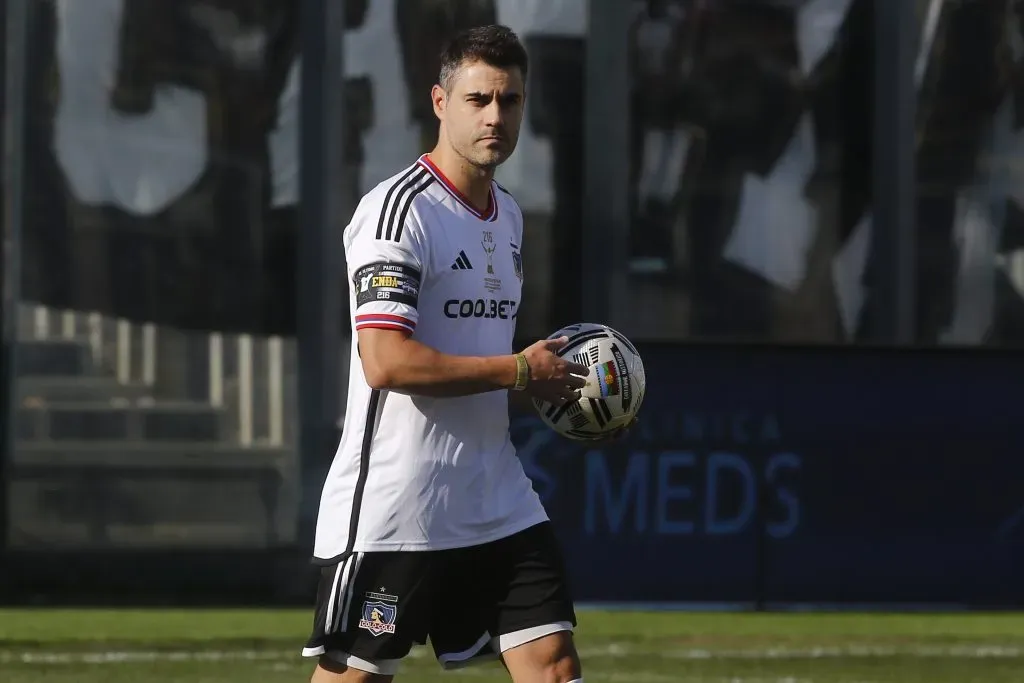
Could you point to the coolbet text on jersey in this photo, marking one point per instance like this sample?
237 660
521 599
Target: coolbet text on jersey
413 472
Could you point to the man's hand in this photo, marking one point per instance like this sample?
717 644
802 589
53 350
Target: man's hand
552 378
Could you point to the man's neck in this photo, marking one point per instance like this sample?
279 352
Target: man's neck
473 182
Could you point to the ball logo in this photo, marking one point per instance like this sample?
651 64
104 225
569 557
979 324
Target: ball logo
627 385
608 379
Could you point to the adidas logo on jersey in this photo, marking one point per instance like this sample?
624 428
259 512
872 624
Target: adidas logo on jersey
462 262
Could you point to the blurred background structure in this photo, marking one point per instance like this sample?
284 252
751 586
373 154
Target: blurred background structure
809 214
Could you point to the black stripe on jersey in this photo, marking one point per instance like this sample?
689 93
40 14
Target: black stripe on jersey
372 405
405 189
401 197
405 208
364 468
387 200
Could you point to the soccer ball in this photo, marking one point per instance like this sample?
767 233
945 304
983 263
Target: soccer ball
615 386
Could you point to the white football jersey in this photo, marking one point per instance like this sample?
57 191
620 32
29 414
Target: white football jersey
414 472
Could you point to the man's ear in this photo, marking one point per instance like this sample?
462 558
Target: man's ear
439 98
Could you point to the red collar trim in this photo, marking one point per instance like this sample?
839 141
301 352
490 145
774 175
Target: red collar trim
492 202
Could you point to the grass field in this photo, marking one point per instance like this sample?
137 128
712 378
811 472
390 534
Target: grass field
261 646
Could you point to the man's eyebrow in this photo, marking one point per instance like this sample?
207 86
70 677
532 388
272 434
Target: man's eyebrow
511 93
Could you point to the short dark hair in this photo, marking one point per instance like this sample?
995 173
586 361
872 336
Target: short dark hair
495 45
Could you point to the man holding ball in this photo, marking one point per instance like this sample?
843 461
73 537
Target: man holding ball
428 526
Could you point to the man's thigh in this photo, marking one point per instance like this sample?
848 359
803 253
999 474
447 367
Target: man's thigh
501 595
371 609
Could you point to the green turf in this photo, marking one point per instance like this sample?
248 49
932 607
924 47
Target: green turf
235 646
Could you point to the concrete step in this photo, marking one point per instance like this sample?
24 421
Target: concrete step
94 421
98 388
53 357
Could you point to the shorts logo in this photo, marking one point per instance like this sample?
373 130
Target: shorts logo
378 615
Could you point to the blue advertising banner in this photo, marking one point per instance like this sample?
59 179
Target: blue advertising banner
809 475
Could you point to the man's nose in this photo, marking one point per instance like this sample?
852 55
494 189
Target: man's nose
493 115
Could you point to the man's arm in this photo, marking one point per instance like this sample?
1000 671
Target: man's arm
388 263
392 360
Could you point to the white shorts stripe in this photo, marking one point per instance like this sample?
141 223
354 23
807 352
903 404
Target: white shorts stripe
488 647
472 655
355 561
381 667
333 598
507 641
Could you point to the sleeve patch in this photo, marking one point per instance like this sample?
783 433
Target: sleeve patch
391 282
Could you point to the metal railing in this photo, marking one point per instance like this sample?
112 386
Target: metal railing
242 362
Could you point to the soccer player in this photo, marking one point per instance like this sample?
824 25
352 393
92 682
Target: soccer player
428 526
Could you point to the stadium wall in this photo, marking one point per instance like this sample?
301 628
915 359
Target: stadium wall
757 477
803 475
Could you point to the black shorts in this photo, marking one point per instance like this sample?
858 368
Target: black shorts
473 603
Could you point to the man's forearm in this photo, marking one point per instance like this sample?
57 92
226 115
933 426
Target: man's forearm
417 369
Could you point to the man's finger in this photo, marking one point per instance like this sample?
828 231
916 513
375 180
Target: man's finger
556 343
576 382
577 369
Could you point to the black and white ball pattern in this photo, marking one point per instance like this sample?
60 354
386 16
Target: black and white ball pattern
615 386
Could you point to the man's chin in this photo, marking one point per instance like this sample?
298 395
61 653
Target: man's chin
490 159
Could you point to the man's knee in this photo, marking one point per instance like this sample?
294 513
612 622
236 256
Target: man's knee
552 659
330 671
565 669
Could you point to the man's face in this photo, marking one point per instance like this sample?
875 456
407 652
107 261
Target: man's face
482 112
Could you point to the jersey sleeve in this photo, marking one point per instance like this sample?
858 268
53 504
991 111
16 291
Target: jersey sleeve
386 263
